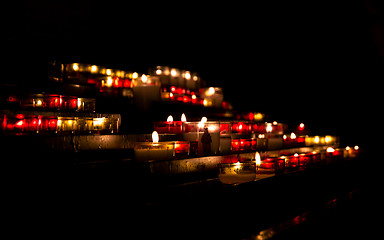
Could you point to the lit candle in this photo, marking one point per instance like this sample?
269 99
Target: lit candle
170 126
155 150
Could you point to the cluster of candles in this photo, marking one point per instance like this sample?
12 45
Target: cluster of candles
24 124
52 102
235 170
236 136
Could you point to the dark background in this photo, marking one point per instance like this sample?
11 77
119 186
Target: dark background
317 62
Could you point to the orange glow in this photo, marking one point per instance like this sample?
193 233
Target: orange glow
257 159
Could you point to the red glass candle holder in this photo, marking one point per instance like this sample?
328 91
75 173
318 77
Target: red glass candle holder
182 149
174 127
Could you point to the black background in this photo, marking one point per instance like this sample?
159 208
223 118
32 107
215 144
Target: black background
317 62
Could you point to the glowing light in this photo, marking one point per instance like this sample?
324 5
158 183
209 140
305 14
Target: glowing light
183 118
259 116
204 120
269 127
173 72
301 126
356 147
39 103
261 136
109 72
155 137
93 68
193 96
274 123
210 91
293 135
330 149
75 67
284 137
205 102
296 155
237 165
135 75
328 139
187 75
317 139
195 78
347 148
257 159
159 72
98 122
144 78
109 81
170 118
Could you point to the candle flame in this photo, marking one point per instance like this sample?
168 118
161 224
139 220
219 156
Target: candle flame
257 158
183 118
293 135
330 150
204 120
155 137
170 118
144 78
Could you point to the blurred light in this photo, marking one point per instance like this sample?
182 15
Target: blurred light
204 120
269 127
144 78
257 159
274 123
109 72
347 148
293 135
93 68
210 91
109 81
170 118
317 139
159 72
173 72
75 66
155 137
330 150
183 118
135 75
356 147
187 75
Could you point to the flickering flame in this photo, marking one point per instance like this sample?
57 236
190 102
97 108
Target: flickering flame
293 135
170 118
301 126
187 75
155 137
257 158
204 120
183 118
210 91
330 149
144 78
75 66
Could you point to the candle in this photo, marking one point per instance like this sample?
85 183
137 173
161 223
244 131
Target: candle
155 150
170 126
264 168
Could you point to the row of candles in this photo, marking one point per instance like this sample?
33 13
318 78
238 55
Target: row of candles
24 124
52 102
231 137
235 170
